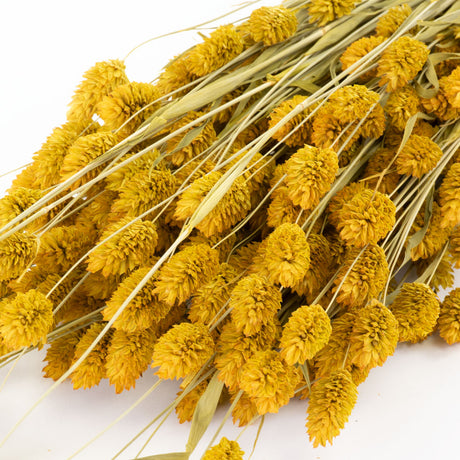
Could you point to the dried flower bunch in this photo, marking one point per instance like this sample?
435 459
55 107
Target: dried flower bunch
247 223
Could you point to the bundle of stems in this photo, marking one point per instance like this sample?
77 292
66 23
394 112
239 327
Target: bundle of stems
264 221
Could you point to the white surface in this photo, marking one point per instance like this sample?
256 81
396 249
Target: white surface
407 409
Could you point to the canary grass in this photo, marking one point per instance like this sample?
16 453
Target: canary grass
305 62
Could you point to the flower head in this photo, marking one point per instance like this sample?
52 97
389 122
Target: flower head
122 176
16 253
48 160
319 270
230 209
306 332
206 135
269 381
310 174
60 355
234 349
281 210
357 50
186 407
144 191
244 411
243 257
449 197
416 308
127 250
182 350
401 105
455 246
444 275
329 131
82 152
451 87
175 75
435 236
301 135
222 46
271 25
209 300
376 165
331 401
253 303
449 317
17 201
401 62
128 106
61 247
366 218
366 279
25 319
128 356
351 103
337 202
418 156
284 256
225 450
335 355
374 336
92 370
389 23
97 82
143 311
439 105
324 11
186 271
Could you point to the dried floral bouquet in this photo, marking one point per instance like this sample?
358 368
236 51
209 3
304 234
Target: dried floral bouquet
267 220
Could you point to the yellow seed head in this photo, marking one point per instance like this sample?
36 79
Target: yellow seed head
284 256
374 336
418 156
25 319
331 401
324 11
389 23
449 317
416 308
358 50
234 349
143 311
271 25
253 303
366 218
307 331
449 197
182 350
366 279
222 46
130 248
435 236
97 82
92 370
230 209
186 271
228 450
310 174
128 356
401 105
401 62
128 106
16 253
301 135
269 381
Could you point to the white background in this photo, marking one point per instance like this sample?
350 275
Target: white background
409 408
